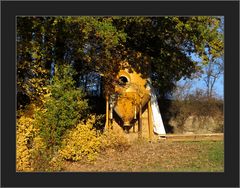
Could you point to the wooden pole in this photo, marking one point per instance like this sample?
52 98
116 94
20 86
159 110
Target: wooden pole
107 112
140 121
135 116
150 123
111 117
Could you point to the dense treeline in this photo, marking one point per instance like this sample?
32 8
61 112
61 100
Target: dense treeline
98 44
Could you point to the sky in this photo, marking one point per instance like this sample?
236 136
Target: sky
199 83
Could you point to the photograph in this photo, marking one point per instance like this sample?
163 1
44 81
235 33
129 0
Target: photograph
120 93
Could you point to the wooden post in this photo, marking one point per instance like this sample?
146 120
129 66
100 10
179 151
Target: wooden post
150 123
135 116
111 116
140 121
107 112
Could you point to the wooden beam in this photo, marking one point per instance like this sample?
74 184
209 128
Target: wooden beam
140 121
107 113
195 137
111 117
135 115
150 123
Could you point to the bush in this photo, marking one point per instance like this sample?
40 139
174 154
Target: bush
85 142
64 107
81 142
30 147
25 136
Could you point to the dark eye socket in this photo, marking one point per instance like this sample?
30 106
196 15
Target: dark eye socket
123 80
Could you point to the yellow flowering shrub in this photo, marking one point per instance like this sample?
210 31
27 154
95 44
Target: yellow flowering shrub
85 142
81 142
25 136
29 145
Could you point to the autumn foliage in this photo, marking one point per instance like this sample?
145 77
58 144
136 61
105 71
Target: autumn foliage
53 53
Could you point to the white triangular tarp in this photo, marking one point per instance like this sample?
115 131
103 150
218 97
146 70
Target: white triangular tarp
158 126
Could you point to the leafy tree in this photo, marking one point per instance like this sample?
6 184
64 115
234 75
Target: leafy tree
64 107
34 57
98 44
168 43
214 68
88 43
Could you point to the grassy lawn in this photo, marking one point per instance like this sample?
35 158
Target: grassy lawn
164 156
208 158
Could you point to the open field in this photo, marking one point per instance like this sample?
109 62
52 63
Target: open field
161 156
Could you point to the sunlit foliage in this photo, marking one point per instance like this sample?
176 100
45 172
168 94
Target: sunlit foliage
99 43
64 107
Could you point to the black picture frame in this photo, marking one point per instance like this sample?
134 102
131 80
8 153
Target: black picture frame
11 9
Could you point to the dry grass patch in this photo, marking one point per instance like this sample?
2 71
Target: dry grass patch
142 156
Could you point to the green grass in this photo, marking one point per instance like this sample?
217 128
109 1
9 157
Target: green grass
216 153
209 158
